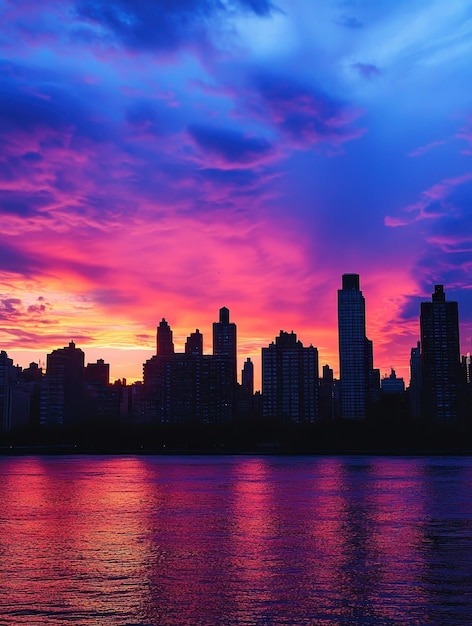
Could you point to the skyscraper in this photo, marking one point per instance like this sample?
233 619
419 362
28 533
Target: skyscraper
6 373
440 357
353 349
62 394
414 390
247 377
224 340
164 342
290 380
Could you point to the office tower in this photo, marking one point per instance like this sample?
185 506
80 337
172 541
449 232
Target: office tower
224 340
98 373
244 400
290 380
62 394
194 343
415 388
164 342
392 385
353 349
103 400
6 375
327 393
440 357
247 377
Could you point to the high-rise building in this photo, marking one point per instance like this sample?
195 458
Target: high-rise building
414 390
440 357
188 387
327 393
244 399
164 341
98 373
353 347
247 377
194 343
290 380
63 392
6 374
392 385
224 340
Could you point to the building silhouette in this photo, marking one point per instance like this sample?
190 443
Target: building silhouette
290 380
190 386
63 387
6 376
247 377
440 357
194 343
224 340
245 391
164 339
392 385
326 391
97 373
415 388
354 358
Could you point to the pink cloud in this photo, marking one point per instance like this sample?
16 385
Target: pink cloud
439 193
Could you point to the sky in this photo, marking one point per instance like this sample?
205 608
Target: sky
166 158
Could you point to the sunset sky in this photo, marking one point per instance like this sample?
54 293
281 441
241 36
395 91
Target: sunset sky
165 158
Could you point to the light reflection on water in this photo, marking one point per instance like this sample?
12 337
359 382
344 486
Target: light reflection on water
235 540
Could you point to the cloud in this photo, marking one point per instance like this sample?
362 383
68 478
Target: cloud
433 202
24 203
301 114
9 307
422 149
161 25
466 133
349 21
367 70
226 147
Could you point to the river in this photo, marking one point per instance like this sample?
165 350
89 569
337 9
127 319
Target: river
235 540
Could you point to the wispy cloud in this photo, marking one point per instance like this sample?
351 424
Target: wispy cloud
426 148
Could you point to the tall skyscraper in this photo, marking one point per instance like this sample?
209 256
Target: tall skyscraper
440 357
247 377
224 340
327 393
164 343
353 349
290 380
414 390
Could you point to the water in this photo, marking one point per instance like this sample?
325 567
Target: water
235 540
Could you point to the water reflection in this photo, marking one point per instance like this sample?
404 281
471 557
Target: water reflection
235 540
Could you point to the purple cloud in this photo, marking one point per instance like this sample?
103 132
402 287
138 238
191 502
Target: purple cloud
433 202
303 115
162 25
227 147
367 70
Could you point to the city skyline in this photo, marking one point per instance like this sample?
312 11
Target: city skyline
168 159
354 347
